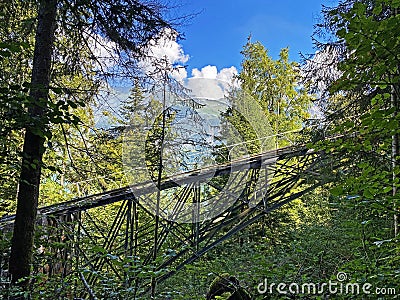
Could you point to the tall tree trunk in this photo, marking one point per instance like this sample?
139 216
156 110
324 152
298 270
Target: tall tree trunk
33 149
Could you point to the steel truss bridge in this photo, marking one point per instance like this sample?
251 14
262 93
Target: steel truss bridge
141 235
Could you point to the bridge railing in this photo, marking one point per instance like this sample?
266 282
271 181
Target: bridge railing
227 153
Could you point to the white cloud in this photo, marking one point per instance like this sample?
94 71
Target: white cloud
166 46
205 88
211 72
179 74
165 52
211 83
207 83
227 74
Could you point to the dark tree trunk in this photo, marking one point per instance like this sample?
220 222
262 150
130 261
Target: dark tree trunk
33 149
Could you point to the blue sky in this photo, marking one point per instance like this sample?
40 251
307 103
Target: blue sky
217 34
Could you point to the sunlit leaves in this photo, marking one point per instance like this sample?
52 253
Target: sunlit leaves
368 169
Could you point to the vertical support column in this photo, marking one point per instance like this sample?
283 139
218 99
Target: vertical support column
75 250
128 228
265 199
67 233
155 240
266 186
134 241
196 215
135 231
128 234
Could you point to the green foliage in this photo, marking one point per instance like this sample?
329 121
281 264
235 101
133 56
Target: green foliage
365 161
63 106
274 84
15 47
309 240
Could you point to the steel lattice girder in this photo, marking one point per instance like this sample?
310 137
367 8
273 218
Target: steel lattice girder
129 228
